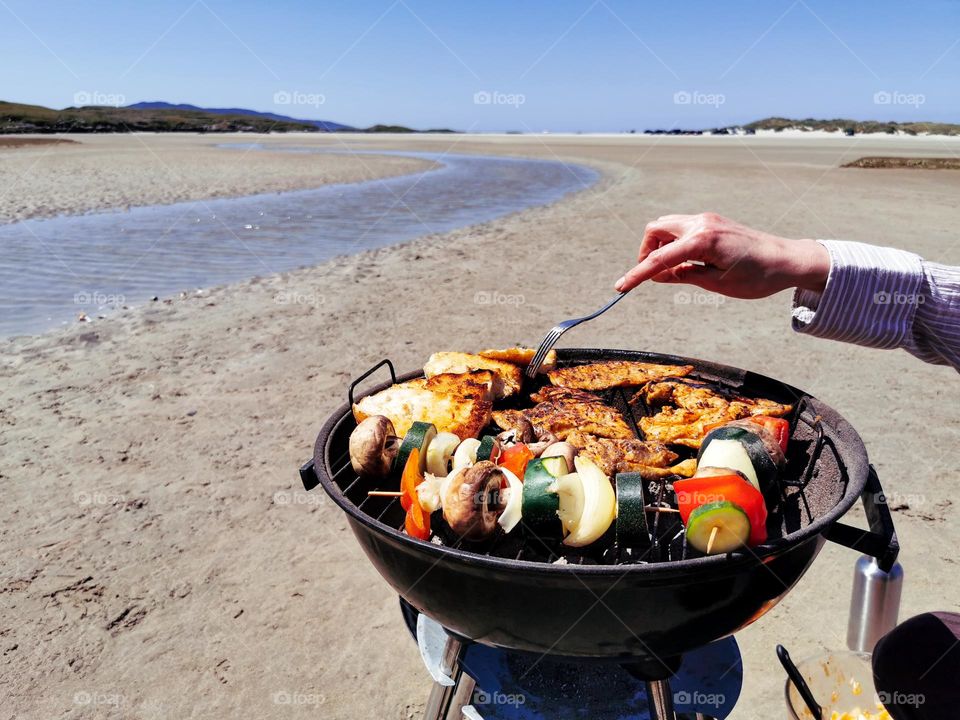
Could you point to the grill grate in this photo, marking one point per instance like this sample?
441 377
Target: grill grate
790 505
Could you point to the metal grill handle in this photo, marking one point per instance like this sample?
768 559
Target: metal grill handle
368 373
880 541
308 472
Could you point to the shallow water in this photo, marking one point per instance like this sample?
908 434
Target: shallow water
53 269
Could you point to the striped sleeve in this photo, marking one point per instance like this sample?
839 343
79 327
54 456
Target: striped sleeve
885 298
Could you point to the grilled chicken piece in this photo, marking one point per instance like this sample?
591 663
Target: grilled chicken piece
459 403
521 356
563 413
507 376
554 393
698 405
651 459
692 394
614 373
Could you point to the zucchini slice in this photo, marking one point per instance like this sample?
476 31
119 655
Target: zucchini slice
488 449
725 521
631 516
440 453
761 470
418 436
541 498
541 504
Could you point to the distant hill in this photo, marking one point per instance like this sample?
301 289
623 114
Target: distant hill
17 118
857 127
162 116
325 125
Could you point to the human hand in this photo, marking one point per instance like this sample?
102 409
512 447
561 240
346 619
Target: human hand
723 256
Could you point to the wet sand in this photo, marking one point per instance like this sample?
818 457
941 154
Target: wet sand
114 172
159 557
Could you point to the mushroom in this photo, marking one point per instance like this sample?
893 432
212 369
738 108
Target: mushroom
373 447
522 431
544 440
561 449
471 501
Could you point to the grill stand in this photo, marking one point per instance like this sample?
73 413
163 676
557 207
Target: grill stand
454 689
656 674
660 699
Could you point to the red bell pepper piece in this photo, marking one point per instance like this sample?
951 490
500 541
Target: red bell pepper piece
779 427
417 523
410 479
696 491
515 459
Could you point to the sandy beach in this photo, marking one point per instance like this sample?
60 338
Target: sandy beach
160 558
114 172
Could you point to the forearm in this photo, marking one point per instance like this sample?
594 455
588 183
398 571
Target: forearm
885 298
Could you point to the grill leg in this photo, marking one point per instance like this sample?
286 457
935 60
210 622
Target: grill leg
462 696
441 695
660 700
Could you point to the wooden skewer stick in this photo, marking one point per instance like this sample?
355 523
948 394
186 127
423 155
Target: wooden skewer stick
660 508
384 493
713 537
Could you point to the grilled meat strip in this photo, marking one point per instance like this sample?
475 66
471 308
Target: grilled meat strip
651 459
614 373
553 393
565 411
690 406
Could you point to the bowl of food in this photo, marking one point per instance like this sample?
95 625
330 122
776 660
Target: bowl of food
842 683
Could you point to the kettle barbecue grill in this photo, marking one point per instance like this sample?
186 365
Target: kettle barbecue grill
641 609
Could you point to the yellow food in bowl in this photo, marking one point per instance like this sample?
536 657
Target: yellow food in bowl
859 714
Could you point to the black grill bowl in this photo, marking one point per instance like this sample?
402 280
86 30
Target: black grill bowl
615 611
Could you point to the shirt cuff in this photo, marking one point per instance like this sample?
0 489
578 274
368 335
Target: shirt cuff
870 298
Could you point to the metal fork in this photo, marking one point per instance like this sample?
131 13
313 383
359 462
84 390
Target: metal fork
551 339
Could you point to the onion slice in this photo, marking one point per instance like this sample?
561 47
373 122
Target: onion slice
440 453
599 505
510 517
466 454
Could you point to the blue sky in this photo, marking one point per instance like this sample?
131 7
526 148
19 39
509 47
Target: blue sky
561 65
